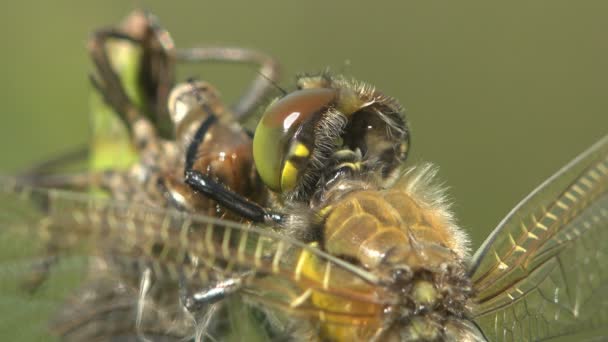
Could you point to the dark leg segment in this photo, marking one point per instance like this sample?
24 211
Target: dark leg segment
110 85
231 200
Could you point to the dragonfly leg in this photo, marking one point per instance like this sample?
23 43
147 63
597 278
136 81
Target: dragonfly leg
205 303
38 274
268 71
210 294
231 200
109 85
58 162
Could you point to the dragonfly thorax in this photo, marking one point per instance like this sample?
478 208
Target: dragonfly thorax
410 241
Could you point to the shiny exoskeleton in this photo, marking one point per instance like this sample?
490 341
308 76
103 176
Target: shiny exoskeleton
351 244
336 147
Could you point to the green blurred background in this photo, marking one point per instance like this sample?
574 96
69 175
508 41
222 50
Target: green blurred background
499 95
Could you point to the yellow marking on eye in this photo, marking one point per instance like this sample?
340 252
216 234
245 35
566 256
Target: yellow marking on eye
289 176
300 150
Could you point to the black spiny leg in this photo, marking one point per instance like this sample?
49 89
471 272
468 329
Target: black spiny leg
218 192
230 199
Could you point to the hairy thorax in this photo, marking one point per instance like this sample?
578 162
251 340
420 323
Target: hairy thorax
405 234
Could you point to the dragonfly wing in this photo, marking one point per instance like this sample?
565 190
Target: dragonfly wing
124 239
55 286
543 272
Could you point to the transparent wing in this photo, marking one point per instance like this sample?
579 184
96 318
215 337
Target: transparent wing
53 285
49 228
543 272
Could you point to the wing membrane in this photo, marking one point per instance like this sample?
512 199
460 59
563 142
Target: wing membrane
175 245
543 272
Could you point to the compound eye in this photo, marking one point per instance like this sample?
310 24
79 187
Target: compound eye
276 151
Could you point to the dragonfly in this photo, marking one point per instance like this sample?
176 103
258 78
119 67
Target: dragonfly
352 244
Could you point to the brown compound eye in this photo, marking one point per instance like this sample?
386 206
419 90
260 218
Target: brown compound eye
275 151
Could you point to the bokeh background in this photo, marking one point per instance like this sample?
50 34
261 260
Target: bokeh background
499 95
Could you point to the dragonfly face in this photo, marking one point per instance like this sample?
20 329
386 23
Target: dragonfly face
352 245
